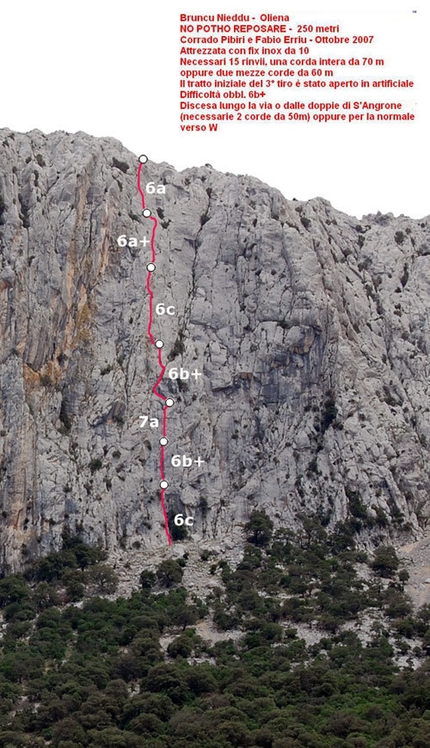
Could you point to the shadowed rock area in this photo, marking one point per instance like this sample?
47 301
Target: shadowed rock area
311 329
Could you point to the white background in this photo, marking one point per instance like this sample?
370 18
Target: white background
113 70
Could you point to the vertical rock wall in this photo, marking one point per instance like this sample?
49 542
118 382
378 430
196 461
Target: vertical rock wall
310 328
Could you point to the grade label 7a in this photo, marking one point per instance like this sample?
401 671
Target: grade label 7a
153 423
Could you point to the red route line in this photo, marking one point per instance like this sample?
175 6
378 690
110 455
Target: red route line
160 359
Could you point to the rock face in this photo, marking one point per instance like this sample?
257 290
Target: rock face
311 330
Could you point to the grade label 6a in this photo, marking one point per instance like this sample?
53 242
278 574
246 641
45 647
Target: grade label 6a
158 189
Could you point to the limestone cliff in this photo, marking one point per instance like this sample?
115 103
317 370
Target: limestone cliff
311 329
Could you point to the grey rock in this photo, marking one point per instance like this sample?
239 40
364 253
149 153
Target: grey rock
311 329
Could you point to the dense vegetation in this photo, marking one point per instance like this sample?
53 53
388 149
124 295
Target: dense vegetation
78 669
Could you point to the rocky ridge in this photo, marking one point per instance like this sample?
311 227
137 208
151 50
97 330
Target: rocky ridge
311 329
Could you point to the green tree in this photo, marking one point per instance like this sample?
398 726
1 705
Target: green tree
169 573
398 604
10 738
45 596
68 729
182 646
13 589
147 579
259 528
184 615
169 680
52 566
73 580
85 555
103 578
385 562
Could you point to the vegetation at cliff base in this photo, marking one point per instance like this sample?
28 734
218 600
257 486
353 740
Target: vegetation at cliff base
79 668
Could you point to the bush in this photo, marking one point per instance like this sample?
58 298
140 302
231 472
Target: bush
147 579
259 528
169 573
73 582
95 464
104 579
385 562
398 605
45 596
182 646
177 532
13 590
329 414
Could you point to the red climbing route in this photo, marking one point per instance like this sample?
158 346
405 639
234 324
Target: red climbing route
158 344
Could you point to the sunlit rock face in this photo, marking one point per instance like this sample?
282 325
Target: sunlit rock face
310 328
